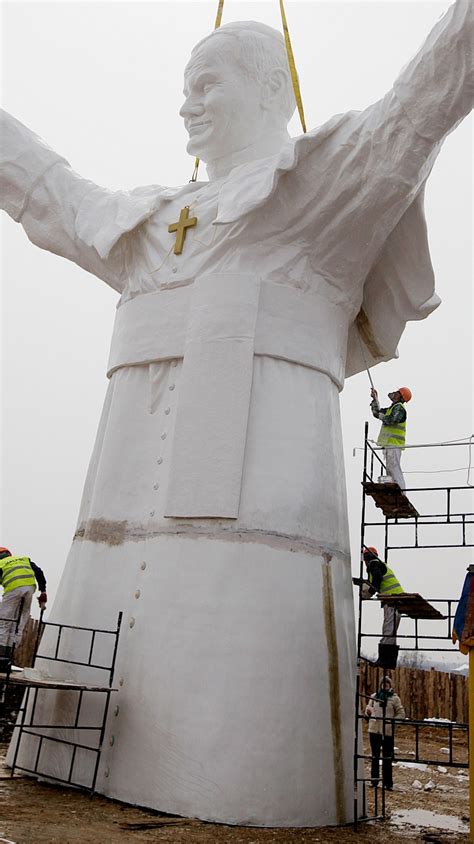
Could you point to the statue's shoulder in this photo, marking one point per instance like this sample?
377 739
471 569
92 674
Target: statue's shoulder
250 186
104 216
146 191
328 131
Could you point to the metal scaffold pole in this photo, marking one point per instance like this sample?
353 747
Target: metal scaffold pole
396 514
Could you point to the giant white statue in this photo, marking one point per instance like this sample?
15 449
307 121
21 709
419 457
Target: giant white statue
215 507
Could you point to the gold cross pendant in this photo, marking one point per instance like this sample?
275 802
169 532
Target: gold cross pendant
184 222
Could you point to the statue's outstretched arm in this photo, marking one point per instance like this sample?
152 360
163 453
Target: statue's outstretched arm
354 189
436 88
39 190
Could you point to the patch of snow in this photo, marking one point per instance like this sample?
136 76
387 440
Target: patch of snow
459 777
442 770
430 786
419 766
444 750
416 784
424 818
440 720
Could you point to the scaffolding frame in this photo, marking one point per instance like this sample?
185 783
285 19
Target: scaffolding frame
26 724
372 462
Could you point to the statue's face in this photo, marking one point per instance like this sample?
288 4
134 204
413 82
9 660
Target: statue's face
223 110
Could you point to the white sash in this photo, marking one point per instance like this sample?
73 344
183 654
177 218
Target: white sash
217 325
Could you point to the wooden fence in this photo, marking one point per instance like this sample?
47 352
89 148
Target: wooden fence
424 694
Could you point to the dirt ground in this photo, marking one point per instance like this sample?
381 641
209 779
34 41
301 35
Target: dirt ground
36 813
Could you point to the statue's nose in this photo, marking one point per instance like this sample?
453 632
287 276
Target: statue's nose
191 108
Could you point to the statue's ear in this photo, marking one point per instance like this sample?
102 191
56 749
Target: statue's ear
274 87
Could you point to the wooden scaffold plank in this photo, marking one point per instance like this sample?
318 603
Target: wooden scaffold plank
412 604
391 500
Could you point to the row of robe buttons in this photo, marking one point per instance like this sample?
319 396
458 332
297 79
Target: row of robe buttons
156 486
121 681
164 435
131 622
138 592
112 737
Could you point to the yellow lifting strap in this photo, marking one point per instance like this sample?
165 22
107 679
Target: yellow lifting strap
291 64
220 9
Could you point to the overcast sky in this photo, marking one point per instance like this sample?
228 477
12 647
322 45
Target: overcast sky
102 83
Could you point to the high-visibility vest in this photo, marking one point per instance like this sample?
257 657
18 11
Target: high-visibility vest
17 572
393 433
390 585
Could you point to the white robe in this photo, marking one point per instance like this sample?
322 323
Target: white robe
236 662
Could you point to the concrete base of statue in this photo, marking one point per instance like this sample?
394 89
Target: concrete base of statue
234 682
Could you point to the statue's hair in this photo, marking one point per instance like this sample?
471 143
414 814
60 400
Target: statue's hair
261 49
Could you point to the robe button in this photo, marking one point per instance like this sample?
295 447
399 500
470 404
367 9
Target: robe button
152 512
137 593
163 436
156 486
171 387
143 566
167 410
159 461
131 623
174 270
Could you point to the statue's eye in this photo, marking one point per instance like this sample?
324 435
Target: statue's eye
207 87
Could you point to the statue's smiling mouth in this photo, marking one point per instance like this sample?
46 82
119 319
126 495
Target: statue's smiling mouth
199 125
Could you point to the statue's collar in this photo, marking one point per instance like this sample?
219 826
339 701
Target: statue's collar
248 186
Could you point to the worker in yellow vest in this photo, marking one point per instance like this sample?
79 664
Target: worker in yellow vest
381 580
18 576
393 431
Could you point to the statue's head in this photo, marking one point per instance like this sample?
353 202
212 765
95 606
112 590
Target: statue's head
237 87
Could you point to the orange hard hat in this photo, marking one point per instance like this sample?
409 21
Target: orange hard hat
405 392
372 549
2 551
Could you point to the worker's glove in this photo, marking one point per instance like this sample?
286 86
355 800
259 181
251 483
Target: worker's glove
376 410
42 600
366 592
